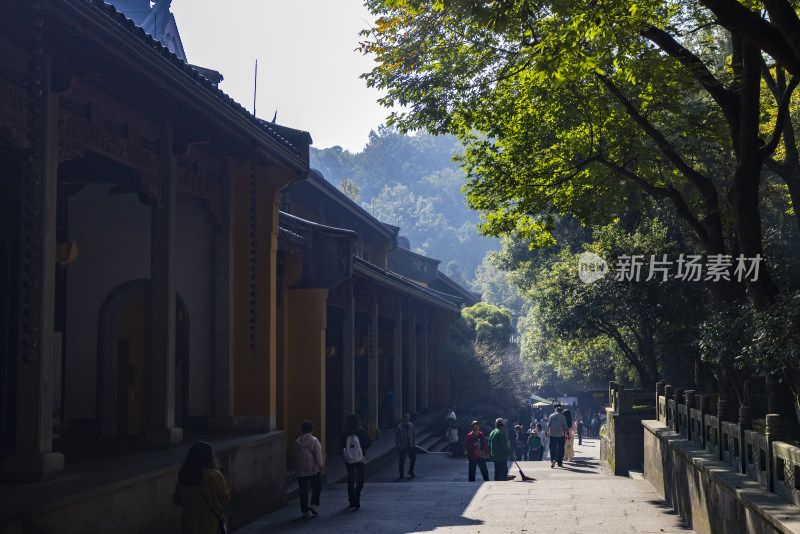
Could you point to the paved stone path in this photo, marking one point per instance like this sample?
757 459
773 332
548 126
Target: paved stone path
580 498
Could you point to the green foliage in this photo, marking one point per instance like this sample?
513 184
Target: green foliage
755 342
612 327
349 188
486 324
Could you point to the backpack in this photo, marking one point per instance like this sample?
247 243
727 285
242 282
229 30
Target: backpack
534 442
352 450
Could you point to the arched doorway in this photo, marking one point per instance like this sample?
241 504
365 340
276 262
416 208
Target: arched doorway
124 360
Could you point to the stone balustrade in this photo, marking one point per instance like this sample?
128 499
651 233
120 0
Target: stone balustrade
774 464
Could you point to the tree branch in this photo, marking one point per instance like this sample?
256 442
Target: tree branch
783 111
740 20
703 184
669 192
726 99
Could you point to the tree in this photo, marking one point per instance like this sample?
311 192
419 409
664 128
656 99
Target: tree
559 103
631 309
586 108
349 188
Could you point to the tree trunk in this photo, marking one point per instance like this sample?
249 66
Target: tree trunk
744 197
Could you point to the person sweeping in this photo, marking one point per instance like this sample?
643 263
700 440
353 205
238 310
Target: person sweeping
500 451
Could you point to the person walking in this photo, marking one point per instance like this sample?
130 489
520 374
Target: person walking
477 452
452 429
308 468
499 450
534 446
580 431
556 431
201 491
353 442
406 441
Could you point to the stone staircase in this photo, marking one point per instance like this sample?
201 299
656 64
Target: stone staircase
430 442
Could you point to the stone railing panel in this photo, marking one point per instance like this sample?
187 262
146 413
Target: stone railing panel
786 474
683 421
672 414
662 409
696 422
712 434
756 456
730 444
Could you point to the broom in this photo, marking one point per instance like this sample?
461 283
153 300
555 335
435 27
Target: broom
521 474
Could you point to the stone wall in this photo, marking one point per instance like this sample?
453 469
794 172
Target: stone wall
254 467
710 496
622 443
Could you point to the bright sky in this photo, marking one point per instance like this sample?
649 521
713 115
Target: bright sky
308 69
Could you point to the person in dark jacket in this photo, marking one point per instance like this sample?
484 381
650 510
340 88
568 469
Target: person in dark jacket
406 442
353 442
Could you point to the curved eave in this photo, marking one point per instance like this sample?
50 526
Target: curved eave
398 283
288 219
317 179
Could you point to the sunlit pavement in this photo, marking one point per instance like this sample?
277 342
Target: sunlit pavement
578 498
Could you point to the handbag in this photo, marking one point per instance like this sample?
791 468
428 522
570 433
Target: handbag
223 522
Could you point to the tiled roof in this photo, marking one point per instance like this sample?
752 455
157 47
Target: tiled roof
119 18
443 298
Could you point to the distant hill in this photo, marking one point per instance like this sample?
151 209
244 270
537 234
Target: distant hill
412 182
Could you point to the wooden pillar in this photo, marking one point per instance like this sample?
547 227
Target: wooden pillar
412 359
423 364
349 355
397 371
372 364
306 365
33 458
160 431
222 419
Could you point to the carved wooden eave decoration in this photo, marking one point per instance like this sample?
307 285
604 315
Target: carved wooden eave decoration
14 107
83 126
193 182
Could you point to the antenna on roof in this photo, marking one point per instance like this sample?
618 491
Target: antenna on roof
255 87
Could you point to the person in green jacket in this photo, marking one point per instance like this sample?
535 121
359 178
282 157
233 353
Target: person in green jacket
500 451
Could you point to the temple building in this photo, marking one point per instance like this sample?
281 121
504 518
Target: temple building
171 270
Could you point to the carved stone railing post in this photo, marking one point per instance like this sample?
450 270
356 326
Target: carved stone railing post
689 396
773 434
722 409
703 409
745 423
668 396
659 394
612 389
679 424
